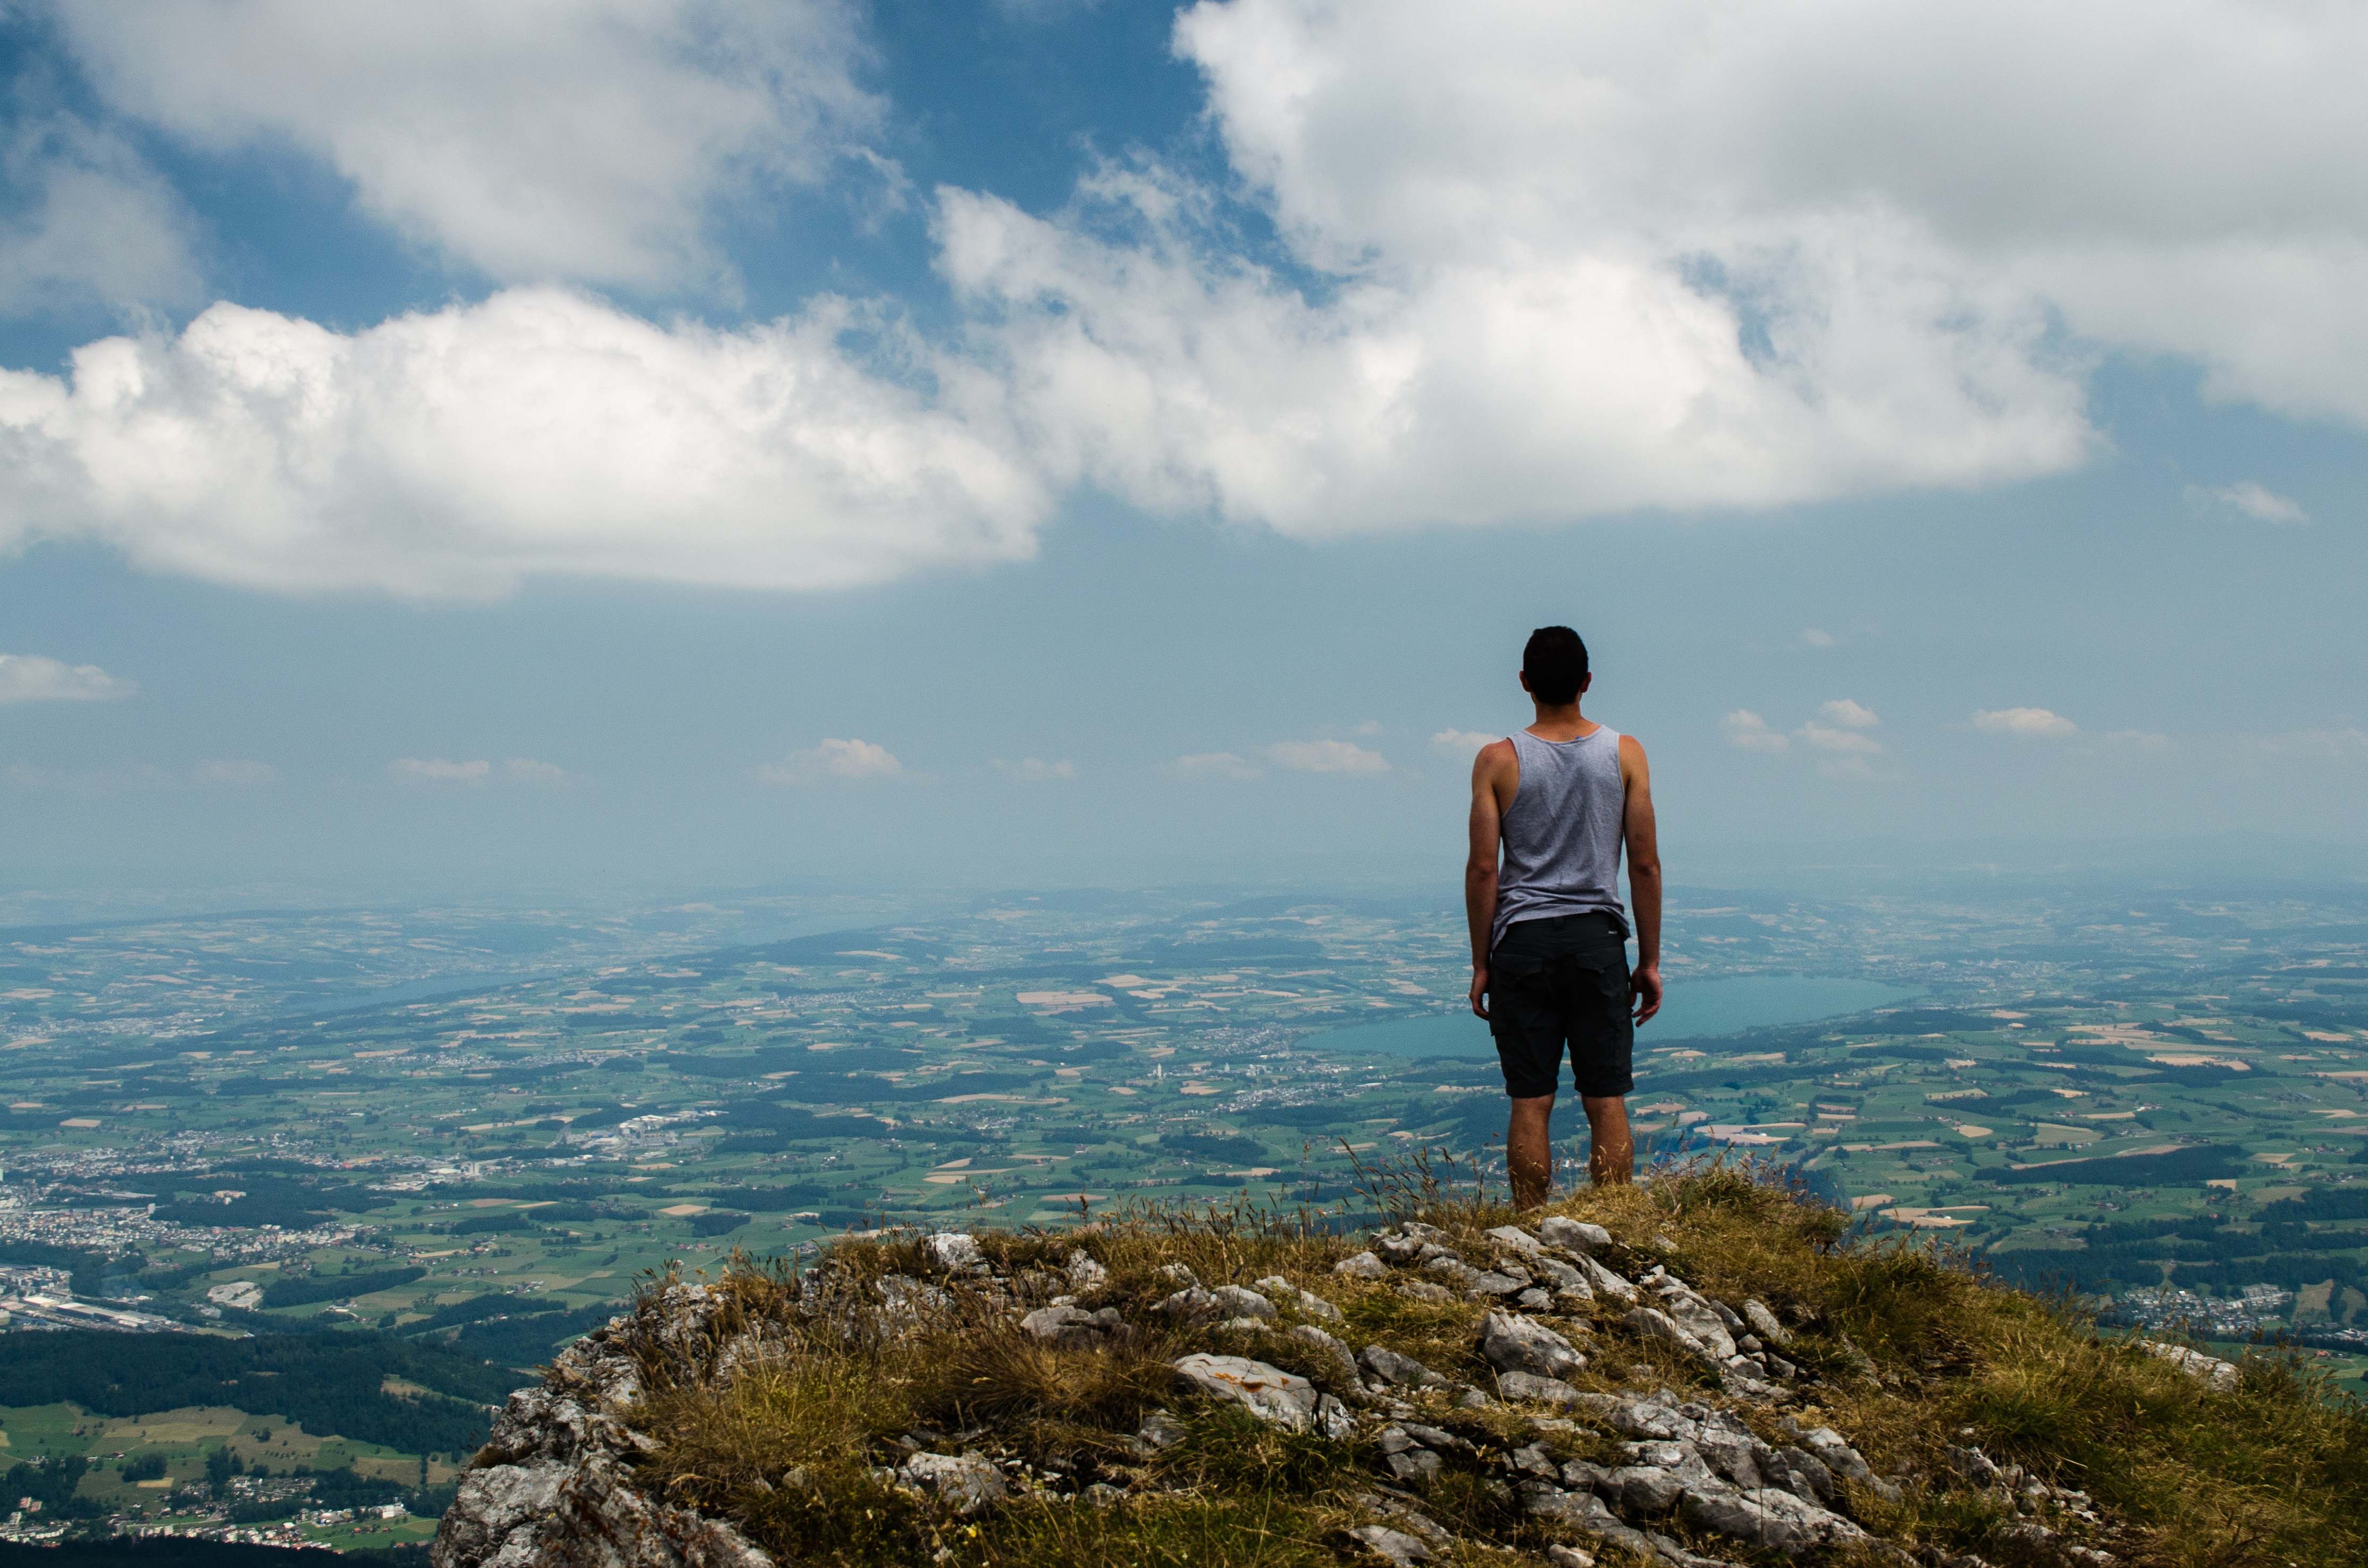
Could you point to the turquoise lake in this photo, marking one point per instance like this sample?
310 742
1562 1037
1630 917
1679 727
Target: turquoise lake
1700 1009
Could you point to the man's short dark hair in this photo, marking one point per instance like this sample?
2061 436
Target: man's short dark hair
1556 662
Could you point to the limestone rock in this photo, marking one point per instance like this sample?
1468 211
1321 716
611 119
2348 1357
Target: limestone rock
964 1483
1072 1328
1604 1283
1646 1323
1584 1511
1341 1368
1362 1265
1387 1365
1518 1239
1238 1302
1535 1390
554 1484
1449 1266
1841 1458
2210 1370
1393 1547
1268 1393
1424 1291
1574 1235
1512 1342
1765 1518
1764 1324
1191 1305
1810 1478
1085 1274
956 1252
1974 1465
1159 1431
1690 1310
1641 1491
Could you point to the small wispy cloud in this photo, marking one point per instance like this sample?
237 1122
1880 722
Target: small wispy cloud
1747 731
2026 723
1326 756
833 761
2138 739
1832 738
1216 765
1817 637
1462 743
2348 740
31 677
1036 770
527 771
2247 499
440 770
1837 737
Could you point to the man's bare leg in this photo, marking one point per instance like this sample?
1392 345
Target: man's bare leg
1611 1153
1529 1150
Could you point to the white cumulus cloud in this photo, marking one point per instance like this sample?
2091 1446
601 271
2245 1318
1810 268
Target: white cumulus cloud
1036 770
2031 723
1326 756
1747 731
839 761
1833 738
597 140
1584 258
33 678
2247 499
455 452
1462 743
1850 714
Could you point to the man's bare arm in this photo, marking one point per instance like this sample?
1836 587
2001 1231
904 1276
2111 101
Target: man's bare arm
1480 863
1644 877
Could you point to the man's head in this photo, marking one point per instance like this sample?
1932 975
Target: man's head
1554 666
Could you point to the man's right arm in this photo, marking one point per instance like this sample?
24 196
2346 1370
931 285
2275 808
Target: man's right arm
1480 862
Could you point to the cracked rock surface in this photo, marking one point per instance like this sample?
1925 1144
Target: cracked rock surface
553 1486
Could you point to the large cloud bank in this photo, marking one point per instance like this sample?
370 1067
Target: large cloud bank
534 139
1527 261
452 454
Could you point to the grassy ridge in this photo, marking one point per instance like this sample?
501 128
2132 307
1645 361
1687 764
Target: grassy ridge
1916 1353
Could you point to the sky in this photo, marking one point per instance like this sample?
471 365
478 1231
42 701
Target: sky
590 443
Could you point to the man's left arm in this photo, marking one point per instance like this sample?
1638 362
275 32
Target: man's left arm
1644 877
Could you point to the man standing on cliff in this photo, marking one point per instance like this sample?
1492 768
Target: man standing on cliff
1551 809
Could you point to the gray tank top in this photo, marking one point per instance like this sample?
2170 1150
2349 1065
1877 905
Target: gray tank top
1564 831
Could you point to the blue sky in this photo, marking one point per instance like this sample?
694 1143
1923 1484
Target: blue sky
700 441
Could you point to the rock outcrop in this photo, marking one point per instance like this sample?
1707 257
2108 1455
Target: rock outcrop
1655 1470
554 1487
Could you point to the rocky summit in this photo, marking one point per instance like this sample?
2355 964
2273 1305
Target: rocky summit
1701 1371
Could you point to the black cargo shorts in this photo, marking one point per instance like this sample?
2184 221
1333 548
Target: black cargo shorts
1561 980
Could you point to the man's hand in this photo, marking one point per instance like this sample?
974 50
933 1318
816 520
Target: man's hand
1644 989
1480 991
